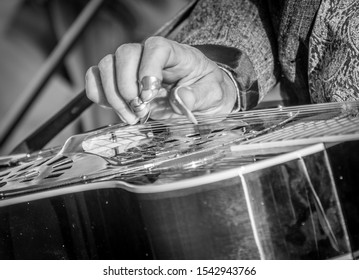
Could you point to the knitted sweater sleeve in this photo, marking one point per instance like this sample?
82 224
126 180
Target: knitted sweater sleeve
246 26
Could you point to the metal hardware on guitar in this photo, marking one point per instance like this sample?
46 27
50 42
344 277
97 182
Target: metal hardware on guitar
269 184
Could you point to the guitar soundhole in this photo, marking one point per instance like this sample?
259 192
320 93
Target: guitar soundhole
4 175
63 168
45 167
241 128
41 162
171 141
24 168
194 136
25 181
54 176
2 184
59 167
60 161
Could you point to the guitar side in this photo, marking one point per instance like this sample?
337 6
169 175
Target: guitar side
300 205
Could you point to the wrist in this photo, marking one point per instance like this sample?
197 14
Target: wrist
231 90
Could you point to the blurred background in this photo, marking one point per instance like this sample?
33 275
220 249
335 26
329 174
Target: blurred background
31 29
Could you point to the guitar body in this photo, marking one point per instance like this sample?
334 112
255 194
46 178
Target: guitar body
222 203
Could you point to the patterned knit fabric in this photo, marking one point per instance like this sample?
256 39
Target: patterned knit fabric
237 24
284 39
334 52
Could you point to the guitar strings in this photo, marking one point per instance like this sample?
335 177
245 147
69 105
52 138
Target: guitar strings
244 119
276 117
260 116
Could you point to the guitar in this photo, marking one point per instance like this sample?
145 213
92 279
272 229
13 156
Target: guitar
266 184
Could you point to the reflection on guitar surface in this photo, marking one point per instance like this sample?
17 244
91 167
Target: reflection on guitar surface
266 184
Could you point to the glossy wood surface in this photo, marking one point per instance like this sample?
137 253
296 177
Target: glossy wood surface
303 208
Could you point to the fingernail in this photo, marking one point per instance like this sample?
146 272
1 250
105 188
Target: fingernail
130 121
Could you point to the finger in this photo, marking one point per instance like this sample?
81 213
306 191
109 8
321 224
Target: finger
93 87
109 85
171 61
156 56
127 60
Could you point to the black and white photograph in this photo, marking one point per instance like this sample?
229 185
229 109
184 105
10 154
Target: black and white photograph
207 131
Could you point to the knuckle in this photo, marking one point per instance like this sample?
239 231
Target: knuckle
198 54
127 49
203 64
88 74
91 96
156 42
106 60
199 57
90 93
89 83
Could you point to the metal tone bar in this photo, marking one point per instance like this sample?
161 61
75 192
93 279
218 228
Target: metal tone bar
29 95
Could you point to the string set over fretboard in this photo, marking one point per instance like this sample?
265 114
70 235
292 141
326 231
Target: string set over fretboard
162 138
175 149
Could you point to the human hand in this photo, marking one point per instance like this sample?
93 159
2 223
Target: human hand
199 83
